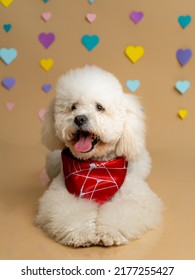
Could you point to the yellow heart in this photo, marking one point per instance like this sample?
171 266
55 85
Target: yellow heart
6 3
134 53
47 64
182 114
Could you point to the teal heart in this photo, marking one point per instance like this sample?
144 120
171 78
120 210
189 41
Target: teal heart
182 86
184 20
91 1
90 42
7 27
133 85
46 1
8 55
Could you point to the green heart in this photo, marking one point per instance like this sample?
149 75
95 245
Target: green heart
7 27
184 21
90 42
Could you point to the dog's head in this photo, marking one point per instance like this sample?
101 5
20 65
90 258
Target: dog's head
93 117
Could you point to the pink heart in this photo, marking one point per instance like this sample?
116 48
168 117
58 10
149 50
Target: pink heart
41 113
90 17
10 106
46 16
43 177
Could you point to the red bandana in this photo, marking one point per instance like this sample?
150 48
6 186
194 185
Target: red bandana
95 180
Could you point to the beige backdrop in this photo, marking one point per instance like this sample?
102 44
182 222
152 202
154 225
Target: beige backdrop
171 140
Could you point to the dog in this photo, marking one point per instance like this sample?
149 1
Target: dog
98 163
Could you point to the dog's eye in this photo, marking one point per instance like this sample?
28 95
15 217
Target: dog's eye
73 107
99 107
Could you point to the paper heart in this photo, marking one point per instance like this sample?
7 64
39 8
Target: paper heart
184 21
133 85
183 56
43 177
46 64
90 17
91 1
46 39
46 16
134 53
41 113
8 55
6 3
182 86
8 82
7 27
136 17
46 87
90 42
182 114
10 106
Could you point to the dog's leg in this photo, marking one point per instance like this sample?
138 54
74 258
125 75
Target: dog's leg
53 163
142 166
133 209
70 220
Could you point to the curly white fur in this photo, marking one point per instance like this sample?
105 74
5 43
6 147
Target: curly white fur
120 127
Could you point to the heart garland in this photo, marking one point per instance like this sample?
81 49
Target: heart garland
90 42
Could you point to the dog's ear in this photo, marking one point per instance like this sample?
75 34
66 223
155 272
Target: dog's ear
49 138
132 141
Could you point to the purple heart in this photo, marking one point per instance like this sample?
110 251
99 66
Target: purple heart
46 88
46 39
8 82
136 16
183 56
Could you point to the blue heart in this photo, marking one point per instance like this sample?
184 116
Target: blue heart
183 56
90 42
9 82
184 21
133 85
8 55
182 86
7 27
46 87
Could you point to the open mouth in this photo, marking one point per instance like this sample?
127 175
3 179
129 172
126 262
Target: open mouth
85 141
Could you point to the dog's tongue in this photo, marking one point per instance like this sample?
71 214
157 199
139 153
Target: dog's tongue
84 144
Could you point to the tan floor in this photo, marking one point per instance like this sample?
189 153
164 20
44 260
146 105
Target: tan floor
172 178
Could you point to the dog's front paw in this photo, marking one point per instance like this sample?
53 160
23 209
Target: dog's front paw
109 236
80 238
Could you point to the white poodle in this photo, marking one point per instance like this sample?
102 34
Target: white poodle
98 194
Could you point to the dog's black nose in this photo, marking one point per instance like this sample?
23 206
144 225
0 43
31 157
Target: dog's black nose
80 120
